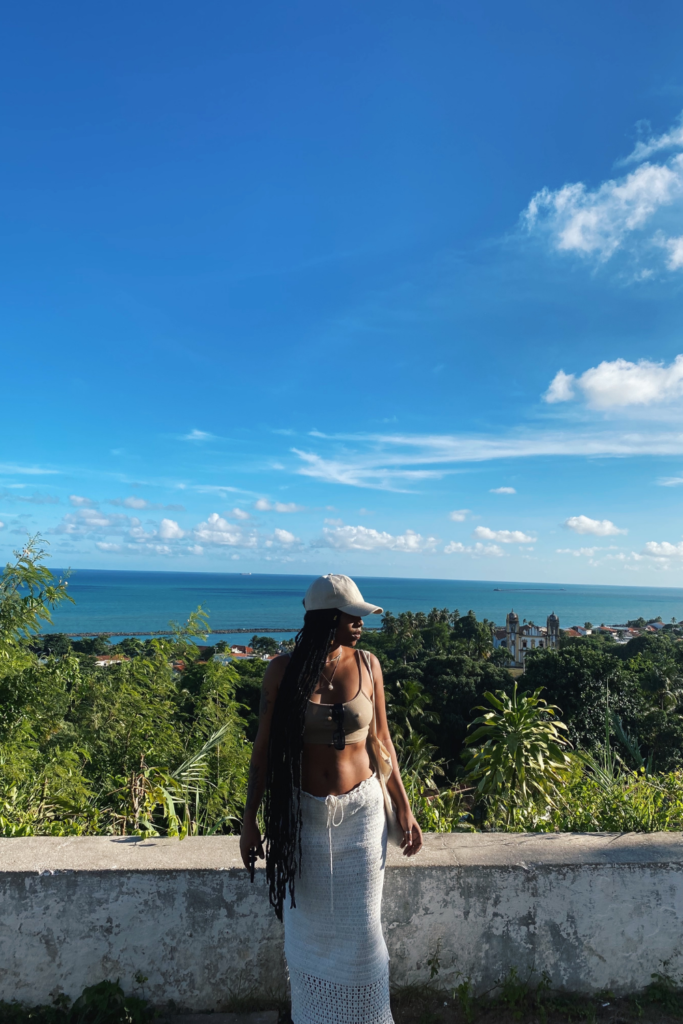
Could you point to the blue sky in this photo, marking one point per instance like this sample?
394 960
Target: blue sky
380 288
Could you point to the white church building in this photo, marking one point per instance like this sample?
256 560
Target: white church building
519 640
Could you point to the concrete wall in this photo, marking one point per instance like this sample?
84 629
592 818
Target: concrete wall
595 911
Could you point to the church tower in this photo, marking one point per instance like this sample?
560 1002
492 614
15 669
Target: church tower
553 624
511 627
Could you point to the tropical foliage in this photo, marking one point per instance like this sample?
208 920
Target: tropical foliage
159 741
520 759
153 744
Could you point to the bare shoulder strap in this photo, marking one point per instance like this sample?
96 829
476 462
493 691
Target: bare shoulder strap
368 665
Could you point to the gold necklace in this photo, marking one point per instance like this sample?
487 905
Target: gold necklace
330 681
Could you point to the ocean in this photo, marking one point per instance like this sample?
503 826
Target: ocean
117 601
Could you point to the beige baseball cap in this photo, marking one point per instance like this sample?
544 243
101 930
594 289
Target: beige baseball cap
340 592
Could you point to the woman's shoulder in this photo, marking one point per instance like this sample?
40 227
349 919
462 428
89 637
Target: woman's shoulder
276 668
279 663
368 656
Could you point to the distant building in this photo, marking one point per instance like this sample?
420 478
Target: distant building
519 640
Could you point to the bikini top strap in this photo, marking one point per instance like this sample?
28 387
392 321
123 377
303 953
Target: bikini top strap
368 665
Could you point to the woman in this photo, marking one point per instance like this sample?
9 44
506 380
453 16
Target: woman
325 819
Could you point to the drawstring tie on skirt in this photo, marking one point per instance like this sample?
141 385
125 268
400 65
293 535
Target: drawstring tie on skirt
332 803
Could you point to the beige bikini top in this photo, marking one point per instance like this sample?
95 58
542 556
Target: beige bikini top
319 725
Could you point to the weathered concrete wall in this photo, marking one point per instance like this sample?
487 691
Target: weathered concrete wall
594 911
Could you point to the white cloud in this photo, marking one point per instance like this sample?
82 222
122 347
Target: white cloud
140 503
459 515
240 513
599 222
334 522
169 530
104 545
380 461
197 435
219 532
670 481
138 532
361 538
196 549
476 550
622 383
583 552
288 506
285 537
503 490
598 527
263 505
86 521
78 501
7 468
663 549
561 388
92 522
503 536
674 246
2 526
356 474
661 555
672 139
630 213
220 489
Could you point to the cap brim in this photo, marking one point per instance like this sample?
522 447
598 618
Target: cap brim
362 608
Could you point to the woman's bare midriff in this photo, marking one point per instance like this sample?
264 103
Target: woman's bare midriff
331 772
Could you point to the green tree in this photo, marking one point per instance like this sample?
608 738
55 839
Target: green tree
668 690
96 645
455 681
28 593
264 644
520 757
130 646
56 644
408 708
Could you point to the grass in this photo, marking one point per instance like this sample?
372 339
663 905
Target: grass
516 1000
513 1000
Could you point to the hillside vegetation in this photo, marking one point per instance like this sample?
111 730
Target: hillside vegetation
589 739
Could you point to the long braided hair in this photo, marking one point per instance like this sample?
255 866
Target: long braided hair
282 803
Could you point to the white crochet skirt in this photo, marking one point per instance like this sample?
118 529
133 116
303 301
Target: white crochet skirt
336 954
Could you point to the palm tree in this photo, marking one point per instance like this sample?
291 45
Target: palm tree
668 689
409 645
389 623
409 702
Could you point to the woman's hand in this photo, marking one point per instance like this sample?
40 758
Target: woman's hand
412 834
250 840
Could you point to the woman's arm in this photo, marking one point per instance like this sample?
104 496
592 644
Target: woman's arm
250 838
412 842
